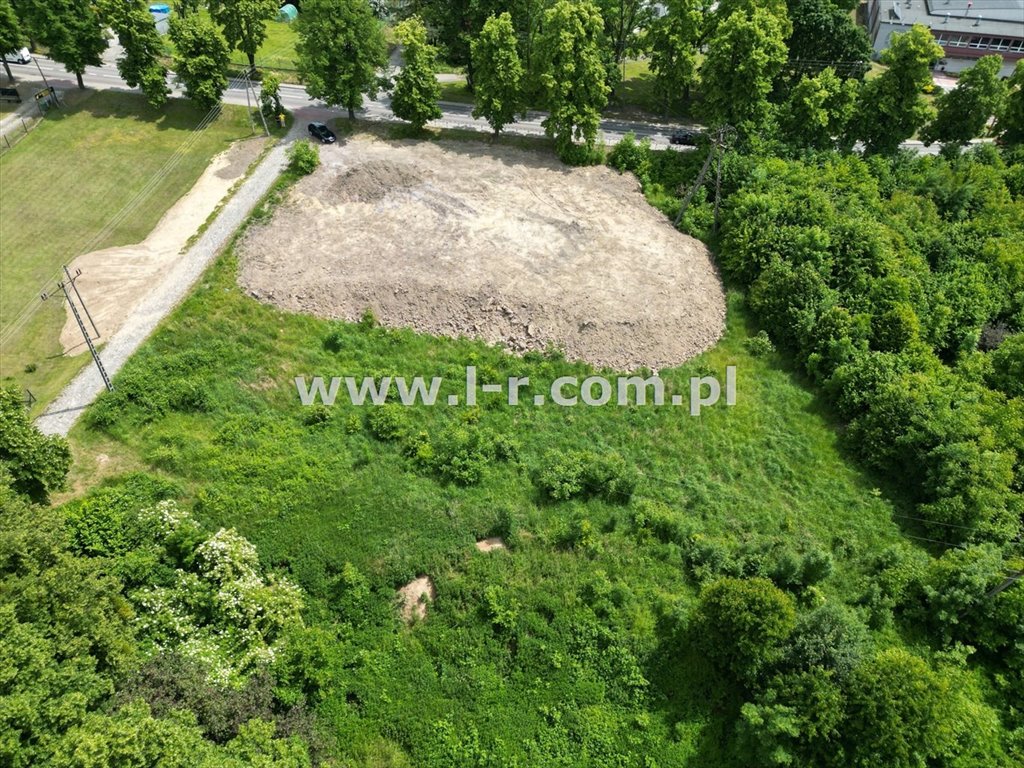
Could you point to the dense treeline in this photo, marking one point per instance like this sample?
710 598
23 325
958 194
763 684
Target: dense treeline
129 636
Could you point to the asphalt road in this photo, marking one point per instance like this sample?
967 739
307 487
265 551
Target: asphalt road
295 98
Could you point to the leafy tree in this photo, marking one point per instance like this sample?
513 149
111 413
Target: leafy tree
244 23
201 56
140 64
741 624
37 463
1008 366
830 637
416 89
744 56
673 40
454 23
891 107
896 712
270 96
1010 124
65 632
624 22
796 720
11 36
726 8
498 73
963 112
573 74
186 7
72 31
824 33
340 50
818 110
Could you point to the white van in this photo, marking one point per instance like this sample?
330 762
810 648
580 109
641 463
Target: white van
20 56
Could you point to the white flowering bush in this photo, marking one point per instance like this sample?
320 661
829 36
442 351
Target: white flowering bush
221 612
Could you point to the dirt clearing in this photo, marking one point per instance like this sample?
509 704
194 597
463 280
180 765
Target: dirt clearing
414 596
114 280
498 243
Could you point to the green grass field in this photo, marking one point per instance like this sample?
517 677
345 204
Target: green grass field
210 404
62 185
277 52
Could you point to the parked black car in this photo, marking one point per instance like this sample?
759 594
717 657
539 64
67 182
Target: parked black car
322 132
684 137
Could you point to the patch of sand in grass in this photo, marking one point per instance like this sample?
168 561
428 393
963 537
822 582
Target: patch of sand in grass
114 280
490 544
414 596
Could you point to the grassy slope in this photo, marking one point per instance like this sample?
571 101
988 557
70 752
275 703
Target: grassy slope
64 182
314 498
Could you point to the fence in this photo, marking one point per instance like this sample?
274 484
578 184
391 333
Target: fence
24 124
22 128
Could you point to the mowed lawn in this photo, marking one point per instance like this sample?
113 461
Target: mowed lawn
63 184
277 51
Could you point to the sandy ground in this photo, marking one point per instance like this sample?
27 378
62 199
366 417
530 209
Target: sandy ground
114 280
487 545
414 597
497 243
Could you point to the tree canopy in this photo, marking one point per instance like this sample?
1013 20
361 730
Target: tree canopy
340 50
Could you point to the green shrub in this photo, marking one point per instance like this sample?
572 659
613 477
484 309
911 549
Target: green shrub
303 157
461 453
583 473
581 155
388 421
334 341
631 155
37 463
561 475
316 415
759 345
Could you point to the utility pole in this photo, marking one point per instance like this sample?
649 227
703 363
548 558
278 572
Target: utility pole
721 139
80 299
1012 578
63 285
248 85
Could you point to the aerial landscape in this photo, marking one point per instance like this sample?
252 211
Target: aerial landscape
541 384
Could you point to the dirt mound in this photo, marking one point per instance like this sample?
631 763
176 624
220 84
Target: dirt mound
414 597
492 242
370 182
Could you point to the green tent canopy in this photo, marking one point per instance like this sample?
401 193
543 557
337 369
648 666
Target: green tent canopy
287 13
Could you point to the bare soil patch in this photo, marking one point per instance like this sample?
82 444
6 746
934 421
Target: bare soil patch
465 238
414 597
487 545
114 280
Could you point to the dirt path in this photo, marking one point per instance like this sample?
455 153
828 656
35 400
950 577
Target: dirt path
165 295
503 244
115 280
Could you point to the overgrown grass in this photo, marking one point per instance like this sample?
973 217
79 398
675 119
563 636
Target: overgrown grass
63 183
210 402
